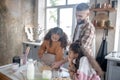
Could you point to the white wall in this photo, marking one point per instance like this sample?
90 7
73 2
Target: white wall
119 41
41 13
117 33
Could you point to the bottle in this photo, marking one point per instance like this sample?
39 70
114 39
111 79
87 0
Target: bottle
24 59
30 69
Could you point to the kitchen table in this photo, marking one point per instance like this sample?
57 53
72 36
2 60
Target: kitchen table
7 73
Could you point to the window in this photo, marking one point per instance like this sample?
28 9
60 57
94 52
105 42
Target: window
66 20
51 18
55 2
61 13
77 1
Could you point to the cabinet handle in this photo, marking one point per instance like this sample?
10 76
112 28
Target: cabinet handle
35 46
118 64
27 45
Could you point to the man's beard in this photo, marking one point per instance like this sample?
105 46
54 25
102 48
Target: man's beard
81 22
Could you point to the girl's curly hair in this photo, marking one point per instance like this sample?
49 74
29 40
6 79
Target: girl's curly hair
77 48
59 31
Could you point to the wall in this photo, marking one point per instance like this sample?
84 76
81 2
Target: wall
117 33
14 14
41 13
119 42
39 19
111 33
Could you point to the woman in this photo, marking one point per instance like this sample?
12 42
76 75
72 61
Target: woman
81 65
53 46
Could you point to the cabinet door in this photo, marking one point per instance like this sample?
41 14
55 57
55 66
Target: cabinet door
115 73
35 52
113 70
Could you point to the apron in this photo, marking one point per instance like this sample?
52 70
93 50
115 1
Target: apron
48 58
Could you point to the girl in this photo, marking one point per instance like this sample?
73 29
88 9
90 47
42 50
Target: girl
81 65
53 46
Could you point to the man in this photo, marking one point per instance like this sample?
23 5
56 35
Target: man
83 33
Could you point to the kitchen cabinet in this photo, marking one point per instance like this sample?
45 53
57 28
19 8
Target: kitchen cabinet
113 67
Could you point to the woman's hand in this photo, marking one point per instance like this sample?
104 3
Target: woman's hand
40 56
56 65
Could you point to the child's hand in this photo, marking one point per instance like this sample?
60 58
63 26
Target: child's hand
71 67
71 74
70 59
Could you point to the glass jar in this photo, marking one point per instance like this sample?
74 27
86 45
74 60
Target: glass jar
47 74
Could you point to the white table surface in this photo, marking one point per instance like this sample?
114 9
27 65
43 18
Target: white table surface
20 74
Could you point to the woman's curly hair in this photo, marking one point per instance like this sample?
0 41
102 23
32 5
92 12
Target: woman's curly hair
59 31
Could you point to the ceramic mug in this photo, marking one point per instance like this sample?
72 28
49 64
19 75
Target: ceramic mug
16 59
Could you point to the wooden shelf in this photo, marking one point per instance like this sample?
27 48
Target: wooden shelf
103 9
104 27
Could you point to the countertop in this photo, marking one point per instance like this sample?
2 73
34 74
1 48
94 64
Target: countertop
115 56
32 43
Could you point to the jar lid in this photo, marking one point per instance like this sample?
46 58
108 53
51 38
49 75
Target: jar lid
30 60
